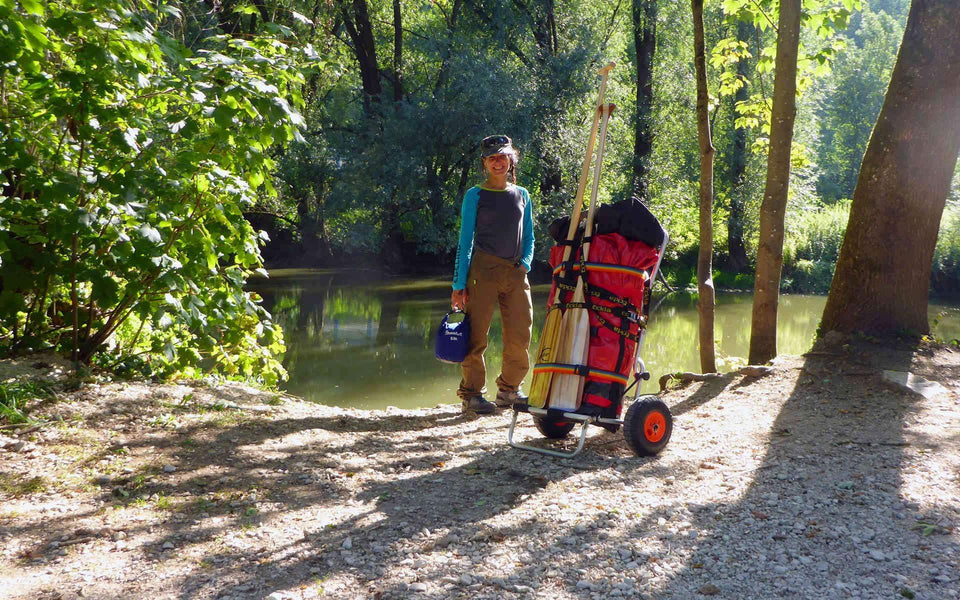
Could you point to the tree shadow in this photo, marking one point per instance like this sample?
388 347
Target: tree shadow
219 493
709 390
825 511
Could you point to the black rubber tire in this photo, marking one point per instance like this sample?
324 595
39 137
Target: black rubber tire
648 426
555 430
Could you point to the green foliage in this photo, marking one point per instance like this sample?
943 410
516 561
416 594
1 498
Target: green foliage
127 161
852 99
733 281
811 247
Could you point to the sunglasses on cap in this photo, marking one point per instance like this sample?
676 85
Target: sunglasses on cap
496 144
495 140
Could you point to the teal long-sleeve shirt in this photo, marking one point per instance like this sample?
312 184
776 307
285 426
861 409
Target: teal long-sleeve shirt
499 222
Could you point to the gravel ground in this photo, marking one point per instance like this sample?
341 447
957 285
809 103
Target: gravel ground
819 480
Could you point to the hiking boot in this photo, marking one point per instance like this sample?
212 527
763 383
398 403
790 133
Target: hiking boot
478 405
507 398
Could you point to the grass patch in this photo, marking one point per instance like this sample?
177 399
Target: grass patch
226 419
164 421
201 505
16 486
14 397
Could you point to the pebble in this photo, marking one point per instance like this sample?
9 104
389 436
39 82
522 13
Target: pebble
169 468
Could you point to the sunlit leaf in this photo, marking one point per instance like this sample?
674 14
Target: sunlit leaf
150 234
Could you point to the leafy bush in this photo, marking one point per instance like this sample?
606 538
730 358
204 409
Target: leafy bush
679 277
808 276
126 161
816 235
946 257
733 281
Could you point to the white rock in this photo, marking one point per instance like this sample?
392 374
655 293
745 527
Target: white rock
169 468
914 383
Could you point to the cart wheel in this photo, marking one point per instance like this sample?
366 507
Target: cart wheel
647 426
554 430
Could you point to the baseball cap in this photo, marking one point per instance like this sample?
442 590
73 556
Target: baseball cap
496 144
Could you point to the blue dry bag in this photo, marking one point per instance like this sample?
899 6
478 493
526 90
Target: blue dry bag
453 336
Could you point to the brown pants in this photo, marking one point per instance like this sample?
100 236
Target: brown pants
496 281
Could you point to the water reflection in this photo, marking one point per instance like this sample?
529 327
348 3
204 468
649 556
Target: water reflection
368 343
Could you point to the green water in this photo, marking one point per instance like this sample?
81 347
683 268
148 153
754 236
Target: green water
368 343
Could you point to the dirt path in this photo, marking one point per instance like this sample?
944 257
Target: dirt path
819 480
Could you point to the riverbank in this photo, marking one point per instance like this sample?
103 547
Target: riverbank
819 480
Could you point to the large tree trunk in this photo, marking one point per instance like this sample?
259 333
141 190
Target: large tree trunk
766 294
736 249
705 304
645 43
882 279
356 20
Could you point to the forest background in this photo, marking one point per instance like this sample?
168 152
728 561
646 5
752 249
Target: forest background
156 155
405 91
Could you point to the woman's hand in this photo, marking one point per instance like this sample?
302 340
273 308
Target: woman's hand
458 299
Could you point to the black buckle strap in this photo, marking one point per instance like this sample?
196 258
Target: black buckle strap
633 337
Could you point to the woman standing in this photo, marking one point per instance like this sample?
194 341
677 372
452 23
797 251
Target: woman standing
493 259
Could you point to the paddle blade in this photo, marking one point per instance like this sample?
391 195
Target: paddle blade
565 390
546 353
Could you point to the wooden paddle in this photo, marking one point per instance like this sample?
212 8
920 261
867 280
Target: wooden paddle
546 349
573 346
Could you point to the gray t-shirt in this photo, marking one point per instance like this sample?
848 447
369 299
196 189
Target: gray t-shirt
499 222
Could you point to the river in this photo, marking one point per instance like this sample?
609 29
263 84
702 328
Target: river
368 342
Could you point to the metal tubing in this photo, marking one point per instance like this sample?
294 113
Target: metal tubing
547 451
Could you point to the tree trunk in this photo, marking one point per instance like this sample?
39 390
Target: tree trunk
882 279
356 20
705 304
645 43
313 240
397 53
766 292
736 249
447 49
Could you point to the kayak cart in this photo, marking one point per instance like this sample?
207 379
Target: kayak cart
625 250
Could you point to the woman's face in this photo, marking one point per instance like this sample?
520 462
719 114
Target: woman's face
497 164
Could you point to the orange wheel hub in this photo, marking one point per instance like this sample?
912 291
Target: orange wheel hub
654 427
